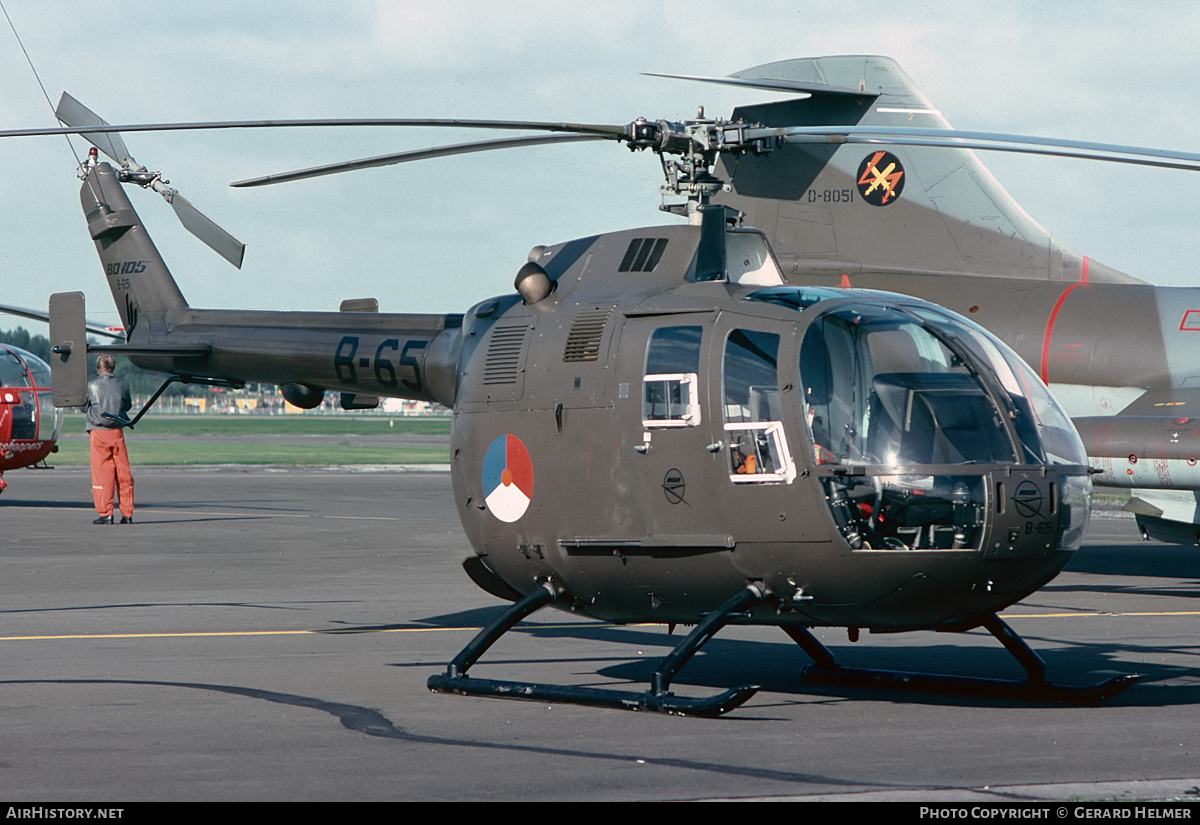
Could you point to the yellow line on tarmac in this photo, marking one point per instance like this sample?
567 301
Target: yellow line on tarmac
330 632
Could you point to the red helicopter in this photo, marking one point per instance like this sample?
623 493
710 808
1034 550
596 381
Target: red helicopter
29 422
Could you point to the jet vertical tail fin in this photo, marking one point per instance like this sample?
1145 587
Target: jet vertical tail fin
882 208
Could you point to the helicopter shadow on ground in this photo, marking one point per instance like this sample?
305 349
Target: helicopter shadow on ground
474 618
241 508
776 666
374 723
1142 558
191 605
42 504
1121 566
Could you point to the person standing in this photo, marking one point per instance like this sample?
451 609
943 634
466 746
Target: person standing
109 396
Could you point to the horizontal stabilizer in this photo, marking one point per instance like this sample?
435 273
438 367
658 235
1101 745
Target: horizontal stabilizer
1175 402
1172 516
812 87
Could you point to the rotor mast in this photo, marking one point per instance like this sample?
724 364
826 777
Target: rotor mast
695 145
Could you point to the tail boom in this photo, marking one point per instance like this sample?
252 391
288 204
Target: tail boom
360 353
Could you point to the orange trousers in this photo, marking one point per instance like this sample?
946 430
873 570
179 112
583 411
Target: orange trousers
110 472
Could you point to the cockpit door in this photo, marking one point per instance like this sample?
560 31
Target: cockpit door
755 401
666 414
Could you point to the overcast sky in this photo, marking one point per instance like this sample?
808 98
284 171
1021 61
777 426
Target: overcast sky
440 235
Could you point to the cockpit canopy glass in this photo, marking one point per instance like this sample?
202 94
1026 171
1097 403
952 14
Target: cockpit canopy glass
883 387
12 370
1042 425
25 387
916 385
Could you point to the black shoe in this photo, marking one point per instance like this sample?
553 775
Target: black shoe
103 520
126 519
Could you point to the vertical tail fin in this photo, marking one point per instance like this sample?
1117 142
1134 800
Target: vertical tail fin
885 208
141 284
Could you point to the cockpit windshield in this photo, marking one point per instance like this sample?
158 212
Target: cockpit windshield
25 388
882 388
12 370
912 411
1043 427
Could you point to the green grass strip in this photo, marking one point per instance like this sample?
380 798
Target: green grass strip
200 439
74 453
278 425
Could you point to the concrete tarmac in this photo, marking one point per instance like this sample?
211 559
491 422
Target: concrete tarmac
266 634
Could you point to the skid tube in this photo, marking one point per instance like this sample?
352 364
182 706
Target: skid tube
826 670
658 698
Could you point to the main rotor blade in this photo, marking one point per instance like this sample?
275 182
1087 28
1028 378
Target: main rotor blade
415 154
609 131
994 141
38 315
204 228
73 113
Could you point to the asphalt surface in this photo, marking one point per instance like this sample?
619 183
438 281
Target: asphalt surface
266 634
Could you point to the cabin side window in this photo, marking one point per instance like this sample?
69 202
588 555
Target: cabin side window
758 450
671 387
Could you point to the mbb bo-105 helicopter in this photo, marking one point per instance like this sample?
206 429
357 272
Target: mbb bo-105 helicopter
657 426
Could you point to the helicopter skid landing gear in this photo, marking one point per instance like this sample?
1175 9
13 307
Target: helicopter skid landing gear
826 670
658 698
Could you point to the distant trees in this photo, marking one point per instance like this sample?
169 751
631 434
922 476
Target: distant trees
39 345
140 381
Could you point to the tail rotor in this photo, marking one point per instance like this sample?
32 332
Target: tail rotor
74 114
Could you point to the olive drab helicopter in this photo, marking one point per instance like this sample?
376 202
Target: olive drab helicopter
664 424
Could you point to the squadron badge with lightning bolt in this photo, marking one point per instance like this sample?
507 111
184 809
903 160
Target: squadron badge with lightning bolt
880 178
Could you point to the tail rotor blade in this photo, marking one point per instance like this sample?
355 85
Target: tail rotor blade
73 113
77 116
203 227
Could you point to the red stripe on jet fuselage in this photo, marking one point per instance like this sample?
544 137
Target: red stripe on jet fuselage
1083 279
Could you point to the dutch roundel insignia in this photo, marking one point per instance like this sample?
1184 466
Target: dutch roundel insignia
507 478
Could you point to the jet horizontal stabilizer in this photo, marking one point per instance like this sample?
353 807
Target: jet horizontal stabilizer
774 85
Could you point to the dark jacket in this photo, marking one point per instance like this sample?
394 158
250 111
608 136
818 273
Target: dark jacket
106 394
